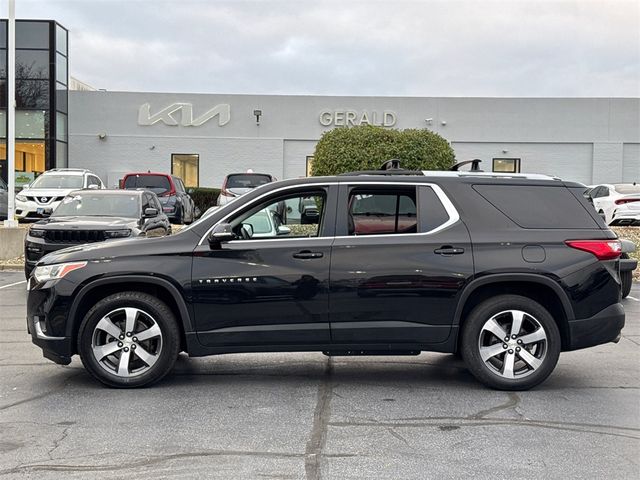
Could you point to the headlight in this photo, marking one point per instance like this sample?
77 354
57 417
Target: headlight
54 272
21 198
36 232
117 233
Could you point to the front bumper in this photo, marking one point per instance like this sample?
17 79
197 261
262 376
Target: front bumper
48 306
603 327
29 209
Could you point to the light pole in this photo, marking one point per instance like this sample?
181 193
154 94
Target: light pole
11 116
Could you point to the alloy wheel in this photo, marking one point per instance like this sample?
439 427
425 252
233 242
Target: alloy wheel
513 344
127 342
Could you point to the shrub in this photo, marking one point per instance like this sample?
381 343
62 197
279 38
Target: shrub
366 147
204 197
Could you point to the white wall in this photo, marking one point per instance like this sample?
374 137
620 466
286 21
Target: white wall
591 140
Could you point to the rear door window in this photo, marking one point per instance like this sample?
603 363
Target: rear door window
158 184
382 211
533 206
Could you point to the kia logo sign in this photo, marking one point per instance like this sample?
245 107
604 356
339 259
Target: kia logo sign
166 115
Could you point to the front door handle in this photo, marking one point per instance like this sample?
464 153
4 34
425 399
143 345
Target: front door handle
449 250
306 254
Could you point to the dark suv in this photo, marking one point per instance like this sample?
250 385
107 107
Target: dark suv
507 270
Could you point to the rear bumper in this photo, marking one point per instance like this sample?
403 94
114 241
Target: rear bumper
628 264
603 327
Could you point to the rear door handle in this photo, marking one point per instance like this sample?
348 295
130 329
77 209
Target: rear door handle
447 250
306 254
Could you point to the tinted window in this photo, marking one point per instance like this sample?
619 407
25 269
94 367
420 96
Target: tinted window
374 212
532 206
247 180
32 64
32 34
93 180
179 185
432 212
98 205
156 183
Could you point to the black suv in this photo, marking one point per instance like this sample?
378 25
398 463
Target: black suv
507 270
88 216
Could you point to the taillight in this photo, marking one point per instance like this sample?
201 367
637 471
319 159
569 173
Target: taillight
622 201
602 249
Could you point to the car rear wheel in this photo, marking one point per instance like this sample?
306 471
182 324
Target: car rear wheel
510 342
129 339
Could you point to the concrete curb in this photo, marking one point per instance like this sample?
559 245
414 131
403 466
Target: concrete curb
7 267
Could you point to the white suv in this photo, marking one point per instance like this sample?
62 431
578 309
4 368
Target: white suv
41 197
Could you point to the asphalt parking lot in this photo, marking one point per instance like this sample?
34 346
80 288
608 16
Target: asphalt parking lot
295 416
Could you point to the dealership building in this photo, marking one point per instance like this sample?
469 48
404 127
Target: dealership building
203 137
62 122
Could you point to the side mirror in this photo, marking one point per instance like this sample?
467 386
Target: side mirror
283 230
150 212
190 191
220 234
93 187
247 230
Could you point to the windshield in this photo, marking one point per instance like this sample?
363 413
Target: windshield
627 189
58 181
247 180
96 205
156 183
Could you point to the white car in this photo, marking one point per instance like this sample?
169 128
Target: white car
618 204
41 197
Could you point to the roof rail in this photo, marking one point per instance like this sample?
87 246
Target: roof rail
475 165
390 167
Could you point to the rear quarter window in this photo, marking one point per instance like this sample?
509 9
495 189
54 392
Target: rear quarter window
533 206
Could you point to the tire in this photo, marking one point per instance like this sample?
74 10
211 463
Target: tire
180 217
103 330
539 350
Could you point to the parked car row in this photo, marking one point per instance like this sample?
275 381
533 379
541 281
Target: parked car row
618 204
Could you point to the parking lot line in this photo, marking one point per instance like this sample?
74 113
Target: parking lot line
18 283
633 298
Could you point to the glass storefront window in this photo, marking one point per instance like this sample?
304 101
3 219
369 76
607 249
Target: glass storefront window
30 156
61 155
61 69
32 35
32 64
61 39
186 166
3 94
506 165
32 94
61 97
3 34
3 63
31 124
61 126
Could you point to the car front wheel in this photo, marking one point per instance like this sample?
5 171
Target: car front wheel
510 342
129 339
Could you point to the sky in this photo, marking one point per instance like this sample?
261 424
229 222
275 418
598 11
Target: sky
525 48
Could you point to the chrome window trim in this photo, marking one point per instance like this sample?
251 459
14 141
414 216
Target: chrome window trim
454 217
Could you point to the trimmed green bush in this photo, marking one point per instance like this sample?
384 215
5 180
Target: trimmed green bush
204 197
366 147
